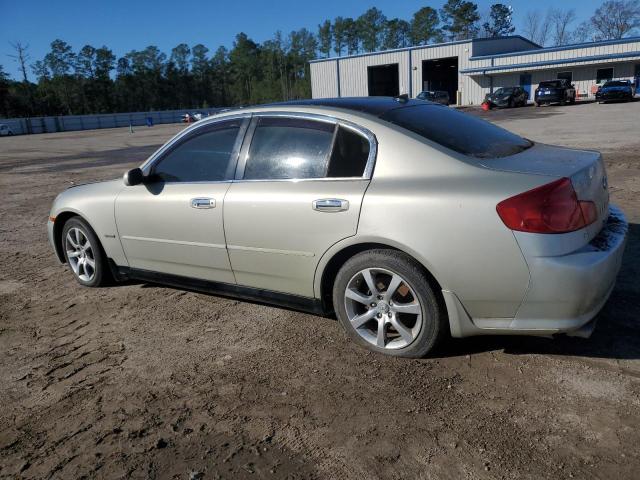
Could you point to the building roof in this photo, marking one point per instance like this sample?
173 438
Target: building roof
420 47
572 46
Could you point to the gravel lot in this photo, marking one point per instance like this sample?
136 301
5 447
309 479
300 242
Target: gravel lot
139 381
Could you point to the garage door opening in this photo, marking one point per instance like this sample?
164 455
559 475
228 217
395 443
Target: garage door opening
441 74
384 80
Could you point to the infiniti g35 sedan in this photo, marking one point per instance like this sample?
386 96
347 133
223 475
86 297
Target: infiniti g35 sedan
407 219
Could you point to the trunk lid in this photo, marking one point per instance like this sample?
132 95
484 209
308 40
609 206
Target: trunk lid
584 168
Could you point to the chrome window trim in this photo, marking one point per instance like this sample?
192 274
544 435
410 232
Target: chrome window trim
368 170
149 162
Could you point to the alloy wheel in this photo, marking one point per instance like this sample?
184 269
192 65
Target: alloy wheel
383 308
80 254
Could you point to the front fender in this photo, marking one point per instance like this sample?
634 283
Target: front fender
95 204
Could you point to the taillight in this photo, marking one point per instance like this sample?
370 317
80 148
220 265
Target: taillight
551 208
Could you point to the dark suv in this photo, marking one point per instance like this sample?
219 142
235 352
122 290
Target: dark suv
555 91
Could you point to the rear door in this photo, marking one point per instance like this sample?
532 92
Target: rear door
298 190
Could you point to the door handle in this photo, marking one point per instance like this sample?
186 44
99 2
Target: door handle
330 205
203 202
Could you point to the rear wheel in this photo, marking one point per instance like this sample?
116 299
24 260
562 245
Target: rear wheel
385 304
536 104
84 254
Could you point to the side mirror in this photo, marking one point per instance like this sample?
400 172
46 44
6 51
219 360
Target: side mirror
133 177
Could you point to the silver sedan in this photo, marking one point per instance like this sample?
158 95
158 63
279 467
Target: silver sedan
407 219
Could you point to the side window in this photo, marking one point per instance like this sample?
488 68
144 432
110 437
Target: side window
350 154
204 156
284 148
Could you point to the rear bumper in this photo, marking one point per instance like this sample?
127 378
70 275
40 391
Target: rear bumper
565 292
555 98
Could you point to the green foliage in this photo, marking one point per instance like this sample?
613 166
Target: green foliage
499 23
425 27
324 38
397 34
460 19
370 27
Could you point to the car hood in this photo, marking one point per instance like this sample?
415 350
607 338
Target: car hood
615 89
76 197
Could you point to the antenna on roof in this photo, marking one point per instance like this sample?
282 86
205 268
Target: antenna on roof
404 98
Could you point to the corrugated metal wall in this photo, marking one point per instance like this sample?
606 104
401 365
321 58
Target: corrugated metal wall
571 53
353 72
324 79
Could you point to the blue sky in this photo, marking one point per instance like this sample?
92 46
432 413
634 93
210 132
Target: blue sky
128 25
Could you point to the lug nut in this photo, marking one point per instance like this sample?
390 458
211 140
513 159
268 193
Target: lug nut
379 315
379 297
373 304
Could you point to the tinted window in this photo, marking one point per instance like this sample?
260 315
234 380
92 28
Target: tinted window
203 157
551 84
350 154
603 74
458 131
289 148
567 76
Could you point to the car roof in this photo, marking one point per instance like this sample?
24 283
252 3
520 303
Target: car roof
377 106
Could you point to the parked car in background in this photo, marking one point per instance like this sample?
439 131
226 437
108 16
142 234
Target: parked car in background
555 91
508 97
5 131
437 96
408 219
616 90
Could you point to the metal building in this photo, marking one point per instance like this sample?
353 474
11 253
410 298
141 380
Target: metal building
470 69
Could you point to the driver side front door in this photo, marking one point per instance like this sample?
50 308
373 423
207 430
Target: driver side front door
173 223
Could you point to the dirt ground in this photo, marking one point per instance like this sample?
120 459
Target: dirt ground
140 381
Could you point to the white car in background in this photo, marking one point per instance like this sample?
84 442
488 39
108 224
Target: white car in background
5 131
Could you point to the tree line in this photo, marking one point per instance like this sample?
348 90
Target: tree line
94 80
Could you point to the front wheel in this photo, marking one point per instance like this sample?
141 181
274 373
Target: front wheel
385 304
84 254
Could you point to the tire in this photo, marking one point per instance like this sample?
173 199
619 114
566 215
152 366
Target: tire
510 103
536 104
75 235
562 103
421 322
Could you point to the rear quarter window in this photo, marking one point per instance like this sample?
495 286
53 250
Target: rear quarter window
457 131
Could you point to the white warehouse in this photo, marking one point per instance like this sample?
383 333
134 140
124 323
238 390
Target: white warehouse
470 69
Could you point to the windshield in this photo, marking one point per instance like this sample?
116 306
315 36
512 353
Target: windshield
504 91
426 96
551 84
616 84
458 131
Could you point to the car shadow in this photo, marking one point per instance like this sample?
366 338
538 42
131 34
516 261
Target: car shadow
617 334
